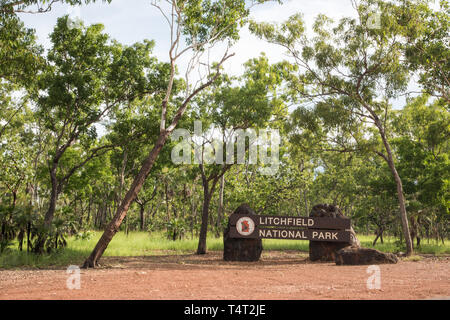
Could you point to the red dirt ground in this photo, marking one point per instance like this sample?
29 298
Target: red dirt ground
278 276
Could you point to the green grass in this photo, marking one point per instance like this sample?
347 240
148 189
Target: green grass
145 244
389 245
413 258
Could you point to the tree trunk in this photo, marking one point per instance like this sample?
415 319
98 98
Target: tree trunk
201 249
28 236
14 203
104 214
83 210
20 239
42 237
142 216
113 226
375 240
305 196
401 198
379 236
138 182
89 211
119 190
403 214
220 206
193 212
53 199
166 192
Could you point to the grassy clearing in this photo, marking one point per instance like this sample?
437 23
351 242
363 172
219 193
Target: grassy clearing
390 245
145 244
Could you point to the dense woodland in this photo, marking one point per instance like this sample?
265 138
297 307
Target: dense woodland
85 126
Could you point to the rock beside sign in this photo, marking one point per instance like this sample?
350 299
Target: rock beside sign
239 249
326 250
360 256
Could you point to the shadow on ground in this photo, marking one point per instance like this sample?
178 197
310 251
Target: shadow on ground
211 259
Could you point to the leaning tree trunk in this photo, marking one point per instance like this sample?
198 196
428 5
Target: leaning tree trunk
401 198
112 228
138 182
403 214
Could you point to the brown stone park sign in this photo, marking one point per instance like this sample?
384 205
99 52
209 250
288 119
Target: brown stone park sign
330 234
295 228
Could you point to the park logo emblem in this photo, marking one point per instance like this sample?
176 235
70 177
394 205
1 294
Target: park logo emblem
245 226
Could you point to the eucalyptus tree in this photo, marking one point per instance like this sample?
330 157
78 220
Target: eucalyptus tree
427 48
143 200
349 72
288 192
252 103
20 61
133 130
16 156
130 130
201 24
87 77
422 144
10 7
20 56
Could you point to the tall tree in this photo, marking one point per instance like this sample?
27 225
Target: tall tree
86 78
349 72
203 23
422 144
251 104
427 47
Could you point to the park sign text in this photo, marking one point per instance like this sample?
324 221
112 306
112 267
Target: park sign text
297 228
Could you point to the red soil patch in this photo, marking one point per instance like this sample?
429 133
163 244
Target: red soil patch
279 275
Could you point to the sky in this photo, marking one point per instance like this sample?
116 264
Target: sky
130 21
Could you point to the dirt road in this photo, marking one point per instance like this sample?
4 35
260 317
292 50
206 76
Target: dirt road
279 275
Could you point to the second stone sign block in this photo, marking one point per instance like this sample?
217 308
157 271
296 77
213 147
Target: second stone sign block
326 250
